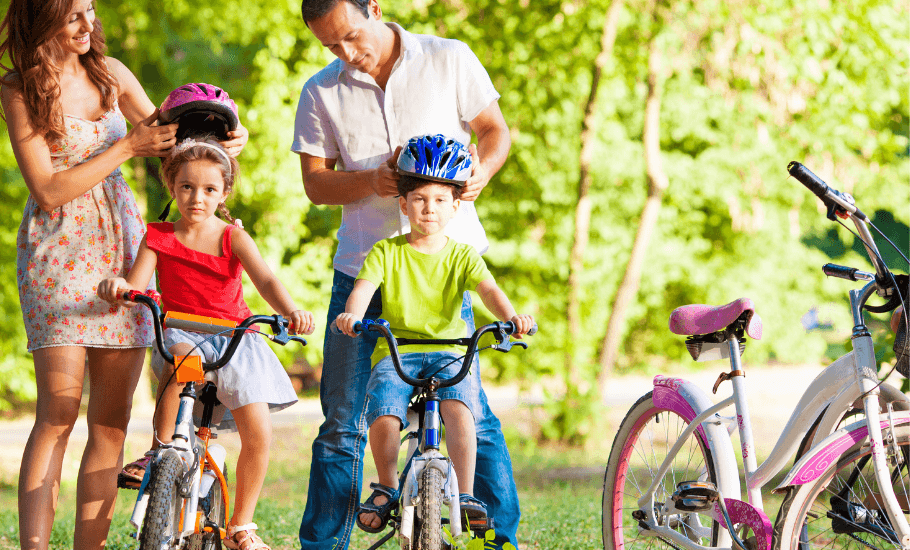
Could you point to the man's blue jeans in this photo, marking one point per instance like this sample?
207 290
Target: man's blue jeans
336 474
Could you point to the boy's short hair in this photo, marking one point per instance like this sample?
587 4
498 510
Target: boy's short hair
407 183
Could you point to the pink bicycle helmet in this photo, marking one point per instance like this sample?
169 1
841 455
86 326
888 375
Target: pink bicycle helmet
199 109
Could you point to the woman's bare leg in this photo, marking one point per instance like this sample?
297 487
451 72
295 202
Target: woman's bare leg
113 376
59 372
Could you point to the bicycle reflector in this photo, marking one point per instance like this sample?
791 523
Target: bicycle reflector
189 368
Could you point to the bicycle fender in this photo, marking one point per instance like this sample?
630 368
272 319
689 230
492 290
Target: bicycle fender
820 457
688 401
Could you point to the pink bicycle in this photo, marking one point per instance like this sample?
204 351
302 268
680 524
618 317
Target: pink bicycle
673 479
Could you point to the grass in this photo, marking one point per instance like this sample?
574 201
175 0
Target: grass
559 491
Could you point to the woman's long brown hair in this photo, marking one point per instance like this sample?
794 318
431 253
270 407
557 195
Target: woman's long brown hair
30 31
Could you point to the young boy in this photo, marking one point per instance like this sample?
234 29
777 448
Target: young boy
423 276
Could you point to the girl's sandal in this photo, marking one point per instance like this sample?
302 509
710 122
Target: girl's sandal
129 480
249 539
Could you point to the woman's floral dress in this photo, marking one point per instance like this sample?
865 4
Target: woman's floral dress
63 254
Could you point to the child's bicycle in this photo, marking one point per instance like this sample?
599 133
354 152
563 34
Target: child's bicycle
428 480
672 479
183 500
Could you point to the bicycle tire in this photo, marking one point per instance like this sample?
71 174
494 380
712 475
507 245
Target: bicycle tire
212 505
162 517
811 512
429 509
638 449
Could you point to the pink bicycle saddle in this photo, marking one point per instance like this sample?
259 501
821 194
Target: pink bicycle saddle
700 319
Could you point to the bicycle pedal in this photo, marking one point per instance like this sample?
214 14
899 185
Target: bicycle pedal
126 482
695 496
477 525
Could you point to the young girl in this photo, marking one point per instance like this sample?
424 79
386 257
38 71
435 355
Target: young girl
199 259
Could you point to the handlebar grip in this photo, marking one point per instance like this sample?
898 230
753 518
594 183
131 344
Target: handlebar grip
844 272
130 295
358 328
807 178
511 328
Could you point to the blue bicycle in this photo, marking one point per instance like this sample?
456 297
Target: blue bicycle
428 480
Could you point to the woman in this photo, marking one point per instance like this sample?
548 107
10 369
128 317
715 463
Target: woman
65 103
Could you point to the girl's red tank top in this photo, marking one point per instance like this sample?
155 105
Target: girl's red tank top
196 282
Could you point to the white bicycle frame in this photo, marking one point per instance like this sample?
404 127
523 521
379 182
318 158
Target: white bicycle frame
834 391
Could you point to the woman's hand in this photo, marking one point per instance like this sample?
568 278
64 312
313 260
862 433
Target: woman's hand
236 140
301 322
147 139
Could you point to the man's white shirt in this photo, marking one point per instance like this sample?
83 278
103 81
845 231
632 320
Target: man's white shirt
436 87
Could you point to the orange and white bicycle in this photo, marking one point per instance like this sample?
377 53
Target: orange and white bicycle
183 500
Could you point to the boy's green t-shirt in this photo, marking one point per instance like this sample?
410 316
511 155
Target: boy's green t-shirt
422 293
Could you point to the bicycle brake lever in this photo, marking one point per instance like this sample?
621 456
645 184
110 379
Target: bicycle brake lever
298 339
506 345
281 335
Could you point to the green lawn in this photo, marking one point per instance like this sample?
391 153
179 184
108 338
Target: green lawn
559 490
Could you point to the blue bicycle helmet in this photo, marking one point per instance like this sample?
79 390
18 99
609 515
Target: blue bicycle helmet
436 158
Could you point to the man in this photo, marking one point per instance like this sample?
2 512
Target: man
386 86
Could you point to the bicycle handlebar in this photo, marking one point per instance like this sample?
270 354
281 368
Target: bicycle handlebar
501 330
278 324
830 196
843 203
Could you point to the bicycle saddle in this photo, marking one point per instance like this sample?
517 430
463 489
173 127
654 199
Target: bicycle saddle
698 319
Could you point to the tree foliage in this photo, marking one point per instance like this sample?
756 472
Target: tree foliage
749 87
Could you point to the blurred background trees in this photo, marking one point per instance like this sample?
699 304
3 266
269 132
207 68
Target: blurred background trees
745 88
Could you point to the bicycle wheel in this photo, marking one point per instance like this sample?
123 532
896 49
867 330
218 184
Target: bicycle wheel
842 508
162 517
429 510
212 505
645 436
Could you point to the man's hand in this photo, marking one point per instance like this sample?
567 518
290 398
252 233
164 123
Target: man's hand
479 177
385 177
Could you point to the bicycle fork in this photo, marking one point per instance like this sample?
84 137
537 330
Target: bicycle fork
430 457
865 371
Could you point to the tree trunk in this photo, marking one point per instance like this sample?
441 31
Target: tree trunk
583 208
657 184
